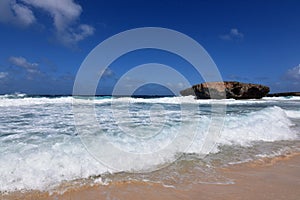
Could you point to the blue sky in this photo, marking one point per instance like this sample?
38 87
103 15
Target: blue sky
43 43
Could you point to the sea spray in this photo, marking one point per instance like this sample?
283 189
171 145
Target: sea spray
40 148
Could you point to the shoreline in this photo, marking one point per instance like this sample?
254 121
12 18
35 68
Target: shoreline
267 178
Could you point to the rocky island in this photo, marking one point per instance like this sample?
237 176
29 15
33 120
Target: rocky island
226 90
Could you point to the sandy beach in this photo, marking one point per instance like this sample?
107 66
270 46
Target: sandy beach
149 100
270 178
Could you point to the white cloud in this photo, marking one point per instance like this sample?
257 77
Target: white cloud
293 74
177 87
16 13
22 62
84 31
234 34
107 73
24 14
64 13
71 36
3 75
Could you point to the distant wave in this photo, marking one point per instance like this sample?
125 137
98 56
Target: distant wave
23 99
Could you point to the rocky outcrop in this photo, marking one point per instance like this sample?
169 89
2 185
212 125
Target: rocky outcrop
227 89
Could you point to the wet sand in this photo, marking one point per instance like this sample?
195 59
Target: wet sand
277 178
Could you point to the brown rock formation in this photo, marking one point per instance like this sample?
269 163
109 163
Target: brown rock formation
227 89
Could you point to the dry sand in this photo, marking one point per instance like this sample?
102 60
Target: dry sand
276 179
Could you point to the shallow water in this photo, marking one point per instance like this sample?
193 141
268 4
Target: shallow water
42 146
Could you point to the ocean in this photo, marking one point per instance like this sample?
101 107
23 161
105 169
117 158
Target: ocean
49 143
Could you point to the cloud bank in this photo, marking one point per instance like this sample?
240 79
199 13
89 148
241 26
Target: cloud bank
15 13
23 63
65 15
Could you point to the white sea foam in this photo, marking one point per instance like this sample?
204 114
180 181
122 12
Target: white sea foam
16 95
270 124
293 113
45 166
282 151
7 102
185 100
40 149
288 98
22 99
